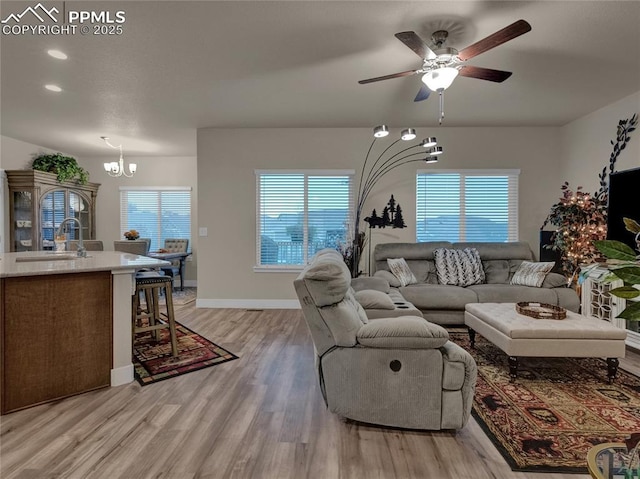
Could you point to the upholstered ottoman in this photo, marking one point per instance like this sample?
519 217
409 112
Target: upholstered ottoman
522 336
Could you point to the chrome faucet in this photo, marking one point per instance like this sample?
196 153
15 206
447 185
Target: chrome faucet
82 252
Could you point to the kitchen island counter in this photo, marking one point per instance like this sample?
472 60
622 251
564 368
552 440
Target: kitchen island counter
65 323
36 263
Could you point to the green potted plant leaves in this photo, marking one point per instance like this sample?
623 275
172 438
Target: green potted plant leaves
628 271
65 167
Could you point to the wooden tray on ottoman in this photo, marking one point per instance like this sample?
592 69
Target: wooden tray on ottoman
541 310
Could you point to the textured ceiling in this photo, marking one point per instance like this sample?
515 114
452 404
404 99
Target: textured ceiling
179 66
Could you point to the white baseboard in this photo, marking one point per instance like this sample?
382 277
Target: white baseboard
248 303
122 375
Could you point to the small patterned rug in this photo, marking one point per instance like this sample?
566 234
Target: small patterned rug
555 411
181 298
153 362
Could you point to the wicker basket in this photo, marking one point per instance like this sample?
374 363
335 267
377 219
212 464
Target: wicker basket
541 310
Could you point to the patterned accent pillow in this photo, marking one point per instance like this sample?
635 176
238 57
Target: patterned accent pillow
401 270
458 267
531 274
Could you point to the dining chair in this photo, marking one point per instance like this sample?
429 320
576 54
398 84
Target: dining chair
175 245
89 245
139 246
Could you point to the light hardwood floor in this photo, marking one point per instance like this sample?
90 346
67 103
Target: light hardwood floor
260 416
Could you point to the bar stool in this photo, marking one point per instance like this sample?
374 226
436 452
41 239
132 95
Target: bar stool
150 284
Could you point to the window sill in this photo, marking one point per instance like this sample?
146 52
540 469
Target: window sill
278 269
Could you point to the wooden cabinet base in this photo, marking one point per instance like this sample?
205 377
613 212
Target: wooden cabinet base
55 337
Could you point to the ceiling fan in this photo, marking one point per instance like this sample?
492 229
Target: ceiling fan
442 65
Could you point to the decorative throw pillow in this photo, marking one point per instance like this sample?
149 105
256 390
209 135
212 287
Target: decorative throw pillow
372 299
401 270
531 274
458 267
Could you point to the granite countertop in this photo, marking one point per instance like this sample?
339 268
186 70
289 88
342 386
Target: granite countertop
35 263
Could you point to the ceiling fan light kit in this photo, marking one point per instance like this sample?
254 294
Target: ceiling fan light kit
442 65
440 79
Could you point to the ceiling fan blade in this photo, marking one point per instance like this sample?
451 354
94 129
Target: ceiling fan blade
498 38
423 94
497 76
388 77
413 41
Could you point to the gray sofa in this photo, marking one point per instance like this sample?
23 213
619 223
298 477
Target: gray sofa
400 371
444 304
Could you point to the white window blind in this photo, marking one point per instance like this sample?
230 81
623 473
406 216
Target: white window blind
467 205
299 213
156 213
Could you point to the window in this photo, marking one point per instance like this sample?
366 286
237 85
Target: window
157 213
299 213
467 205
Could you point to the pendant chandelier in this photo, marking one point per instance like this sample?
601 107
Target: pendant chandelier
116 168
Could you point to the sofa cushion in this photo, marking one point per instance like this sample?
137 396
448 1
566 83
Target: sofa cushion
531 274
401 307
438 296
509 293
414 254
344 320
401 270
424 271
554 280
328 280
458 267
372 299
500 260
389 277
500 271
519 250
377 283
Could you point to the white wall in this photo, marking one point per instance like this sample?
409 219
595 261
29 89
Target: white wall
156 171
227 159
586 144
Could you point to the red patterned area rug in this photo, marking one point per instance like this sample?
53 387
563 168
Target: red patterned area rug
555 411
153 361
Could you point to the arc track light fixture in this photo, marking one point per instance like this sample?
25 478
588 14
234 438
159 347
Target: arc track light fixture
386 162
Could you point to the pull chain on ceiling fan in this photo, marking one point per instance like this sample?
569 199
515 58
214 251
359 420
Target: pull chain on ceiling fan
441 67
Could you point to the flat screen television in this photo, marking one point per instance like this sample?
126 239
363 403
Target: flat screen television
624 202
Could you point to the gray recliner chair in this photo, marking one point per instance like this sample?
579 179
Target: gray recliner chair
401 372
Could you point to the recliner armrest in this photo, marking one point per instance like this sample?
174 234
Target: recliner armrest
404 332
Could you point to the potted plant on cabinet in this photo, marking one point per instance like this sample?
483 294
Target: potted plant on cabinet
65 167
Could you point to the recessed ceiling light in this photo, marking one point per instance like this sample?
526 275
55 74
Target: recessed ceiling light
57 54
55 88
